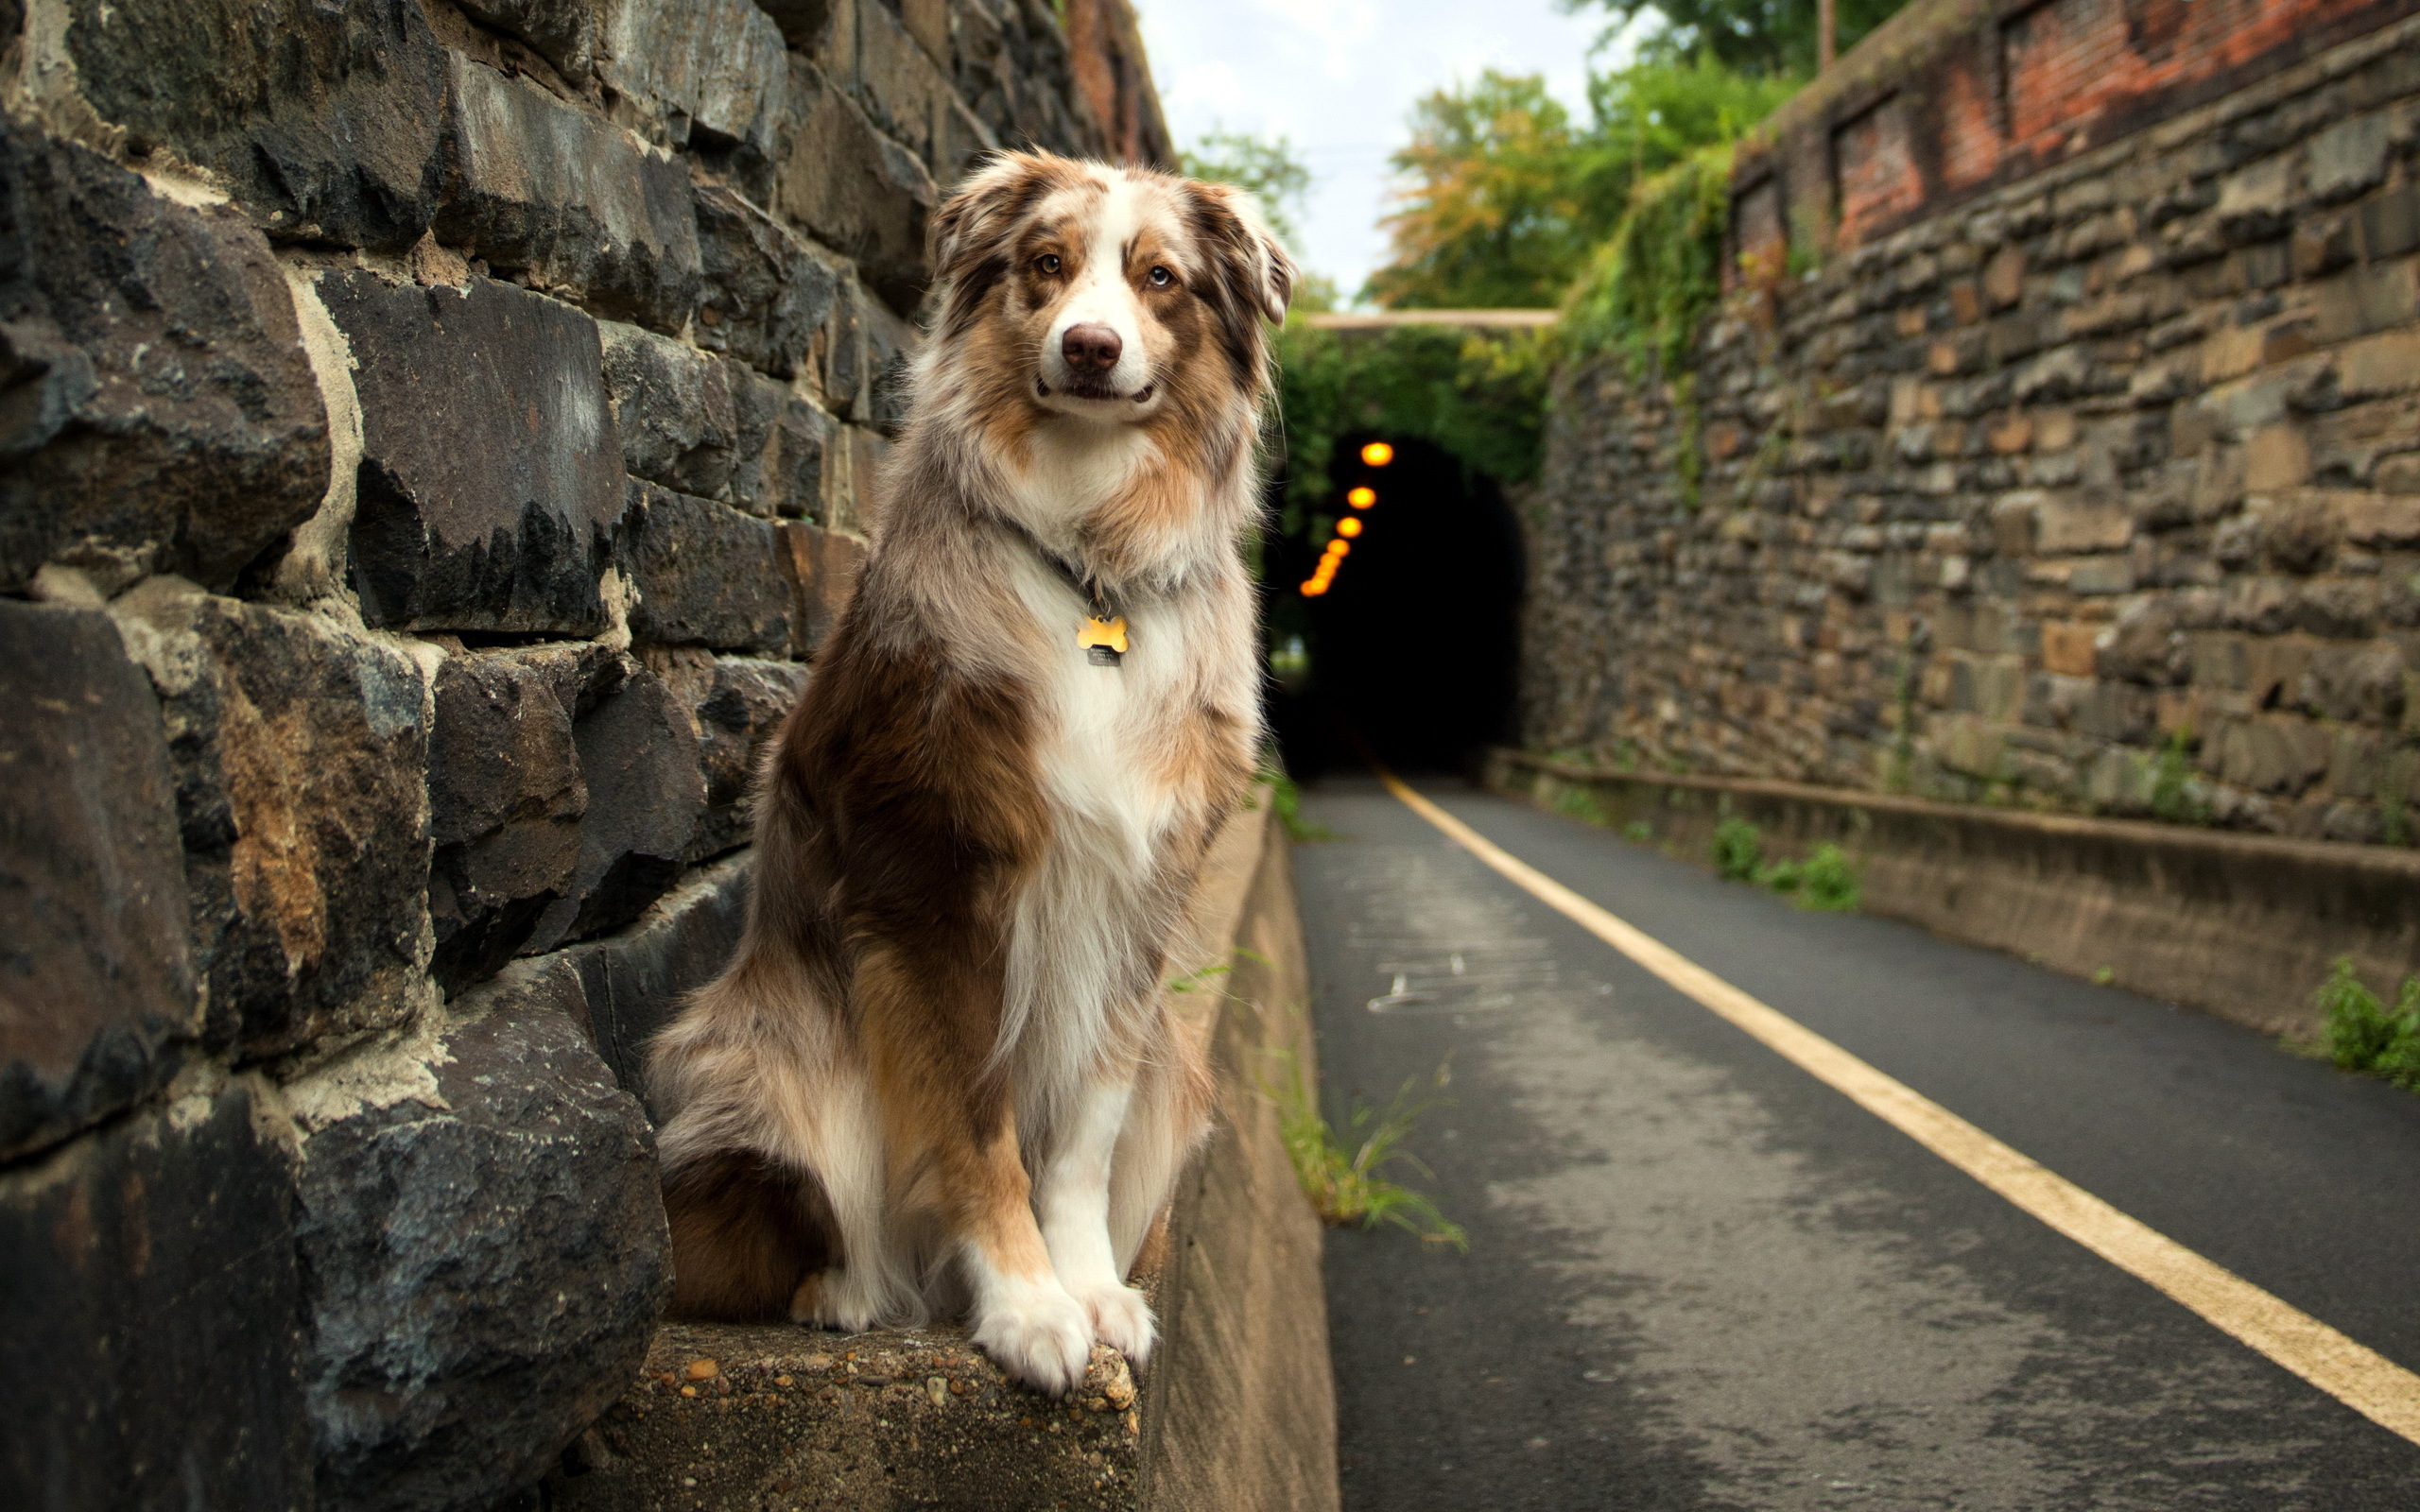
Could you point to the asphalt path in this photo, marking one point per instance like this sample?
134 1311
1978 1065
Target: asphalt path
1700 1278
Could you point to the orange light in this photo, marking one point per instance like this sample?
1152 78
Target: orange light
1361 498
1348 526
1339 546
1313 588
1378 454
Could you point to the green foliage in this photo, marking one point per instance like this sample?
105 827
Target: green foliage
1491 214
1825 881
1477 395
1505 198
1828 882
1266 168
1580 803
1287 799
1739 850
2360 1033
2171 799
1644 290
1769 38
1339 1173
1638 832
1655 114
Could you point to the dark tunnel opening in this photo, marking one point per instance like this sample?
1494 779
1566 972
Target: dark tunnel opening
1412 646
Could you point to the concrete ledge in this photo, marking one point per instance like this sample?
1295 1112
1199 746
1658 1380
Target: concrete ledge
2242 926
1237 1409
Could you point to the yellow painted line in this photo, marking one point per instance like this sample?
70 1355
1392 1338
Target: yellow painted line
2360 1378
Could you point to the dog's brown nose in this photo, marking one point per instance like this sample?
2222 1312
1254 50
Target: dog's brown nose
1091 347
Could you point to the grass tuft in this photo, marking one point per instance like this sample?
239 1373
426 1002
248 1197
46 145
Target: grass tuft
1739 850
2361 1035
1580 803
1345 1184
1828 882
1288 799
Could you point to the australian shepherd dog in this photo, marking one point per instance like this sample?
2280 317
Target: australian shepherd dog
940 1074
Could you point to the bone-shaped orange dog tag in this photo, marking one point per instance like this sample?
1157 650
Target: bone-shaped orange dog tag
1103 642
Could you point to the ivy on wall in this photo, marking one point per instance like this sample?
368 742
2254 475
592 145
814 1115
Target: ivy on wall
1647 288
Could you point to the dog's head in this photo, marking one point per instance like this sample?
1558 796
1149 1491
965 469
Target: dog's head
1107 294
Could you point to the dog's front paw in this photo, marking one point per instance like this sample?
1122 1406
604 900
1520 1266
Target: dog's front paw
1121 1319
1038 1336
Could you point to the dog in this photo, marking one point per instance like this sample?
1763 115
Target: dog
940 1074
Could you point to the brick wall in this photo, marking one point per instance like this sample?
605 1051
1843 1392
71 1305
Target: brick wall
432 449
2099 491
1951 97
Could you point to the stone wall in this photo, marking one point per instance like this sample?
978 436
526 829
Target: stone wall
2098 491
432 438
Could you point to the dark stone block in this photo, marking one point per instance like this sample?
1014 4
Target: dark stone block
482 1268
710 72
324 119
634 982
856 189
764 294
491 473
706 573
96 980
786 480
505 800
153 1318
740 703
156 409
2390 222
564 32
538 185
638 755
712 428
301 761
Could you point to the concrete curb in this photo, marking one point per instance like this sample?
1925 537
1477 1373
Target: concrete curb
1237 1410
2239 926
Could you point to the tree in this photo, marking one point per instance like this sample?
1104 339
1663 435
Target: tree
1506 200
1264 166
1267 168
1774 39
1491 214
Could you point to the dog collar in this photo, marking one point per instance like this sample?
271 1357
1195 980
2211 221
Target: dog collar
1100 635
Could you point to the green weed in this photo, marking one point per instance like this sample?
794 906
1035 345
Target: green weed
1739 850
1828 882
2171 799
1580 803
2360 1035
1288 799
1825 881
1638 832
1340 1172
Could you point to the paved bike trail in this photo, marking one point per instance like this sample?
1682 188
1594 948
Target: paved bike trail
1698 1278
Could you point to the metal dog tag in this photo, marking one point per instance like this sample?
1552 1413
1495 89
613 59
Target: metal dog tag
1103 642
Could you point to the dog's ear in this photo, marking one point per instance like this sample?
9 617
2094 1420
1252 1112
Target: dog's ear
985 206
1257 260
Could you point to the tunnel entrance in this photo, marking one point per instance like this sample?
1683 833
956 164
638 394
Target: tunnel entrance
1412 644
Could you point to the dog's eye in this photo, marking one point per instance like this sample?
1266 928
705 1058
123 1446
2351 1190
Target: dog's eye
1048 263
1162 278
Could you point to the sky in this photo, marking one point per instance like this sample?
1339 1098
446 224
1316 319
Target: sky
1340 77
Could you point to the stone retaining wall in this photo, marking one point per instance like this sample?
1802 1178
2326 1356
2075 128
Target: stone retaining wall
2099 492
432 438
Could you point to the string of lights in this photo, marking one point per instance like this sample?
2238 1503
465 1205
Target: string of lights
1376 453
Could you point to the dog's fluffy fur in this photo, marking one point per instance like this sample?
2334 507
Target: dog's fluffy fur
941 1072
